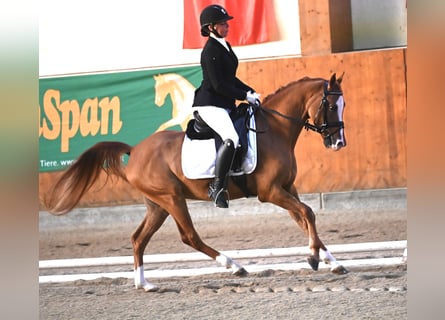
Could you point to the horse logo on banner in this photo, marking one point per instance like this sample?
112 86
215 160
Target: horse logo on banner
181 92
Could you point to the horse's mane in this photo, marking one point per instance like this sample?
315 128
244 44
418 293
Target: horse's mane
176 76
292 83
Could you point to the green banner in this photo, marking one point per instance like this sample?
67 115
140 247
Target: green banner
78 111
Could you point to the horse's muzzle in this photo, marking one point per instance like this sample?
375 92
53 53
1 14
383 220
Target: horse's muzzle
334 145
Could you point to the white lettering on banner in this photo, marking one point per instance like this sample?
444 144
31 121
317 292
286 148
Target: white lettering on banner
55 163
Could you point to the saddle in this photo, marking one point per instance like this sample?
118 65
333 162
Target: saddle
197 128
203 142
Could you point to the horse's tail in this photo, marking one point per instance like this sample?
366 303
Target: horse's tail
81 175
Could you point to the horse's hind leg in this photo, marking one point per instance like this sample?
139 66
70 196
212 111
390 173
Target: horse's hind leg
177 208
153 220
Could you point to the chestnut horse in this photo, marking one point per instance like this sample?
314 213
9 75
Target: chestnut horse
154 168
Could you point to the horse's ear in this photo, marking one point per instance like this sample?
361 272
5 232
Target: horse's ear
332 80
339 79
335 79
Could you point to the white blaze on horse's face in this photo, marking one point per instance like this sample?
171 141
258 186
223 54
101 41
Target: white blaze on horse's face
340 142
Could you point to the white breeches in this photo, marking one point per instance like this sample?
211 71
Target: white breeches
219 120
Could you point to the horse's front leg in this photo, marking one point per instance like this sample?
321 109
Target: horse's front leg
328 258
168 124
305 218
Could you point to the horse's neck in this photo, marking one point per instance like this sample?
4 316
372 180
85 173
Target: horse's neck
293 103
176 93
291 107
301 99
180 94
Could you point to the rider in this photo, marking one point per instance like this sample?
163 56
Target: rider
216 96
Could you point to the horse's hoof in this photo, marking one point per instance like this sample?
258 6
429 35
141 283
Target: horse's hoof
340 270
148 287
241 272
313 262
152 288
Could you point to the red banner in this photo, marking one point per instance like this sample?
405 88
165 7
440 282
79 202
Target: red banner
253 22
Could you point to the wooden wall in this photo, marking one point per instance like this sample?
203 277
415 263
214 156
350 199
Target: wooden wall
374 88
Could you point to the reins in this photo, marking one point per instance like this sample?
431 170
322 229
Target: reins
262 109
321 129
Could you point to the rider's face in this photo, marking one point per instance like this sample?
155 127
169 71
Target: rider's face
222 28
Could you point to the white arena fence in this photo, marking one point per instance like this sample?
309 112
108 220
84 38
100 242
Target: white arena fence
235 254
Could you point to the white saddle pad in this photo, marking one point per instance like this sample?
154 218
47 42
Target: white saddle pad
198 156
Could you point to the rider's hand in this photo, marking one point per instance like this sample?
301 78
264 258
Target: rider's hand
253 98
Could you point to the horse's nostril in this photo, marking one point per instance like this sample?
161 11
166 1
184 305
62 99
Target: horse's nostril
339 144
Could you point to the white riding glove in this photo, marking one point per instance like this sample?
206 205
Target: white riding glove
253 98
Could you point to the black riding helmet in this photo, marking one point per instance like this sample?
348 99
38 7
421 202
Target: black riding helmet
211 15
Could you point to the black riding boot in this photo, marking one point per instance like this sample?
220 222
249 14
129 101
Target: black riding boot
217 188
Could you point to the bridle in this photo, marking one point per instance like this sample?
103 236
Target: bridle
325 105
322 129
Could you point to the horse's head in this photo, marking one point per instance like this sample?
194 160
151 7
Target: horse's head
328 120
160 90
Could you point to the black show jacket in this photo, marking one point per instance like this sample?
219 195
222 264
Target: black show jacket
220 87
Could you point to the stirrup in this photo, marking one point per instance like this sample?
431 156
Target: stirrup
218 197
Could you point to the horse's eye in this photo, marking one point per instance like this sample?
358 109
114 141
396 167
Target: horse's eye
333 107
